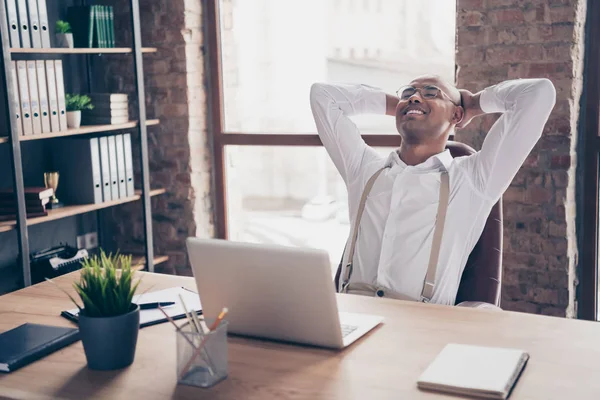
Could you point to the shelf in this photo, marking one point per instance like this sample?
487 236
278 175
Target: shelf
84 130
139 262
106 50
69 211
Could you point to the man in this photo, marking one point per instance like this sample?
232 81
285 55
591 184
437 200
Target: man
395 242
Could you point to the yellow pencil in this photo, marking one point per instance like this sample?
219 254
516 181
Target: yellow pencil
199 348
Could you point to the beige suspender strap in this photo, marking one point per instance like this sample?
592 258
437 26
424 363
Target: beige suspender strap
361 208
436 243
429 283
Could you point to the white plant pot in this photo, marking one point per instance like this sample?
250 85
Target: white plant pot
73 119
64 40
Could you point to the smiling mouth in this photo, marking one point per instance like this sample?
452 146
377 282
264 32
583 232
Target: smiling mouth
414 112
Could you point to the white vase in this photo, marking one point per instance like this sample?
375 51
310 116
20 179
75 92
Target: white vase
74 119
64 40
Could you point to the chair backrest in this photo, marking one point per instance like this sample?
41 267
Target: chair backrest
481 279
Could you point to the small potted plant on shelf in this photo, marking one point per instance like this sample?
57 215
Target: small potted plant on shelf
108 321
75 103
64 36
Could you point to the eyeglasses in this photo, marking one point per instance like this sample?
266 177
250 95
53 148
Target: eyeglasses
427 92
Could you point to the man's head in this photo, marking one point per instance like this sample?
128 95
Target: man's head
428 110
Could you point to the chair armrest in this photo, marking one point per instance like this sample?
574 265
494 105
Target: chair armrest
479 304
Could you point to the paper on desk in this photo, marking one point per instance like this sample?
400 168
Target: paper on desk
150 317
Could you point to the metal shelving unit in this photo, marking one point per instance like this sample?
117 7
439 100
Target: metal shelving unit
9 136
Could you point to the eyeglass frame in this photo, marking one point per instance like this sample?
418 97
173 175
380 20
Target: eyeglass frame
419 90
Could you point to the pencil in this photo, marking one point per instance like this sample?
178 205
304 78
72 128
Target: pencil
203 342
185 336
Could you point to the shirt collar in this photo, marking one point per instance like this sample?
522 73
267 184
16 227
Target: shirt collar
443 159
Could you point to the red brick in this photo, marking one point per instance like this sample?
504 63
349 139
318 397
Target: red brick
549 70
559 125
558 52
560 179
562 14
513 54
469 4
473 36
538 195
509 16
560 161
471 18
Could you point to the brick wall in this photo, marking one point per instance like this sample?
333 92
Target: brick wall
509 39
179 160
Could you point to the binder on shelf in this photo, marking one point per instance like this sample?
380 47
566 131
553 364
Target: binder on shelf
34 24
34 98
121 166
13 23
114 174
16 102
60 91
52 96
43 93
23 23
24 97
105 168
128 163
78 161
44 26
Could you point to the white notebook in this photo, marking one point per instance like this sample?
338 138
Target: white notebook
483 372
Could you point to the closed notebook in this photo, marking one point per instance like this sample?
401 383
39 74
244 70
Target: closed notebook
30 342
483 372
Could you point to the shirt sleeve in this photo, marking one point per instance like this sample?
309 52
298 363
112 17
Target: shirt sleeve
526 105
332 105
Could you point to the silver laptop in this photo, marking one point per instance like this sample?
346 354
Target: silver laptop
274 292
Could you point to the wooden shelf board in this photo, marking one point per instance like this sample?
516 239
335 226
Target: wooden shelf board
107 50
69 211
82 131
87 129
139 262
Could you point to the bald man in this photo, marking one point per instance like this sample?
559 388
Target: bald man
423 211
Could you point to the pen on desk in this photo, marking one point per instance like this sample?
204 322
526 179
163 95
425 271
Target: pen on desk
150 306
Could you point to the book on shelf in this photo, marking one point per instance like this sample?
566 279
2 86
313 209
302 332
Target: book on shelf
108 120
110 105
13 217
92 26
31 192
106 113
108 97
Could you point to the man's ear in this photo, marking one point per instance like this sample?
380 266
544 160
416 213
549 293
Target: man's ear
458 116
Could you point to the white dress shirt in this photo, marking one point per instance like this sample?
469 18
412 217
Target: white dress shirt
396 229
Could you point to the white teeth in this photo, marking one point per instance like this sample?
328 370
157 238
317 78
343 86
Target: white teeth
415 112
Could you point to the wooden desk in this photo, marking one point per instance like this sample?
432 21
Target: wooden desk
564 364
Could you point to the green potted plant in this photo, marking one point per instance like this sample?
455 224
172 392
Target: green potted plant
75 103
108 320
64 36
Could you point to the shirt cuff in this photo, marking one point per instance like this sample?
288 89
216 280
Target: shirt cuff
374 101
489 101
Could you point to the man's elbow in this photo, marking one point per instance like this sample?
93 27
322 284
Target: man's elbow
317 93
545 93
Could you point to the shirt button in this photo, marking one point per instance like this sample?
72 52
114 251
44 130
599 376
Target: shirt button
380 293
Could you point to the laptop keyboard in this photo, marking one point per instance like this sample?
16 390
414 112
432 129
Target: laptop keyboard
348 329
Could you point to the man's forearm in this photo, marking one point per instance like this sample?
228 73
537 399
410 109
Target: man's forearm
391 102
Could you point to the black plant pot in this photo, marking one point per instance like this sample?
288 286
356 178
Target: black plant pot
109 342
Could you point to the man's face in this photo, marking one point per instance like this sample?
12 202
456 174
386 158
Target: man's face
427 112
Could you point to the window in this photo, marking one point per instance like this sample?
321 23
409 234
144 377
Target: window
275 183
